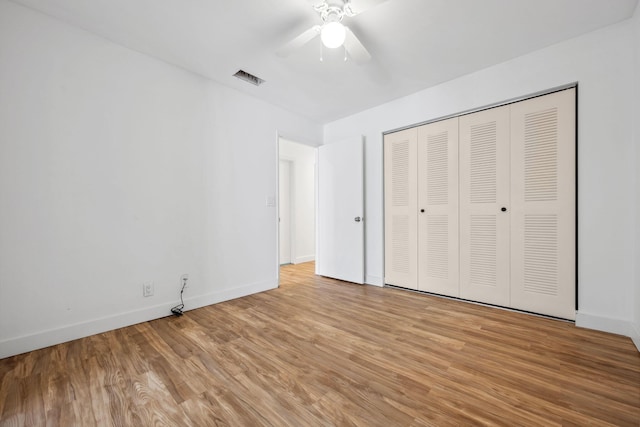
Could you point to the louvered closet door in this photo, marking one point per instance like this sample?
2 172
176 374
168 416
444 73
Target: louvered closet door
543 204
400 187
484 193
438 207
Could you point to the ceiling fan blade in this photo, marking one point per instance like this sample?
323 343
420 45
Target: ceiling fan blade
299 41
318 5
354 7
356 50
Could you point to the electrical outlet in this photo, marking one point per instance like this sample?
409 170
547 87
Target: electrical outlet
147 289
184 281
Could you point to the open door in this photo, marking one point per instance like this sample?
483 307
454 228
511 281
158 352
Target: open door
340 221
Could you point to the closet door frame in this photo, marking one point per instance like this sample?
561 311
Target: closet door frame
572 85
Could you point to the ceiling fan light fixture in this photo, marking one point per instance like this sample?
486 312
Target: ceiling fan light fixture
333 34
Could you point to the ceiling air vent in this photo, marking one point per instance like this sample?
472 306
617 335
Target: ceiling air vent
243 75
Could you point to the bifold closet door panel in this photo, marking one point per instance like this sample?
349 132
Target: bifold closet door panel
543 239
484 206
438 207
400 213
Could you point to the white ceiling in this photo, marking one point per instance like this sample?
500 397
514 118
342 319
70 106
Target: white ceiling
415 44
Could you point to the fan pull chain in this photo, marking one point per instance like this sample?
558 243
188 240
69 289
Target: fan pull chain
345 53
321 52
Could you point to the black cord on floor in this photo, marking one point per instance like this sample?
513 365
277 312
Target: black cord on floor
177 310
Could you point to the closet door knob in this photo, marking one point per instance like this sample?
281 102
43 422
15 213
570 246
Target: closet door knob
503 209
422 210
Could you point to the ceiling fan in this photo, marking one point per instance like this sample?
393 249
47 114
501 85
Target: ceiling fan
332 31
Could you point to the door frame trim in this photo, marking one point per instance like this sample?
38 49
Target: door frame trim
292 208
488 106
572 85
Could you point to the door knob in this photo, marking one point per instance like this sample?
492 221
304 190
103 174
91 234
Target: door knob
357 219
503 209
422 210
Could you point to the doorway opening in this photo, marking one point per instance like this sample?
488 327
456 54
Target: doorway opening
296 202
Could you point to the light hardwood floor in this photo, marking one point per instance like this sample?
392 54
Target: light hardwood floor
319 352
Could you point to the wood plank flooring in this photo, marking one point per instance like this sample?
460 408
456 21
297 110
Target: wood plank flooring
320 352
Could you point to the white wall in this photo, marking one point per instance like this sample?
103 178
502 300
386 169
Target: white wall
303 159
636 121
602 63
116 169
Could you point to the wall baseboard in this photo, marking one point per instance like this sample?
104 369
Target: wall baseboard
51 337
608 324
301 259
374 280
23 344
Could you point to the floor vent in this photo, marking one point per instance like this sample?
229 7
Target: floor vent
243 75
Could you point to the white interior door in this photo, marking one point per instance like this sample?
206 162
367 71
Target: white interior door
284 209
484 206
340 229
401 209
543 228
438 207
